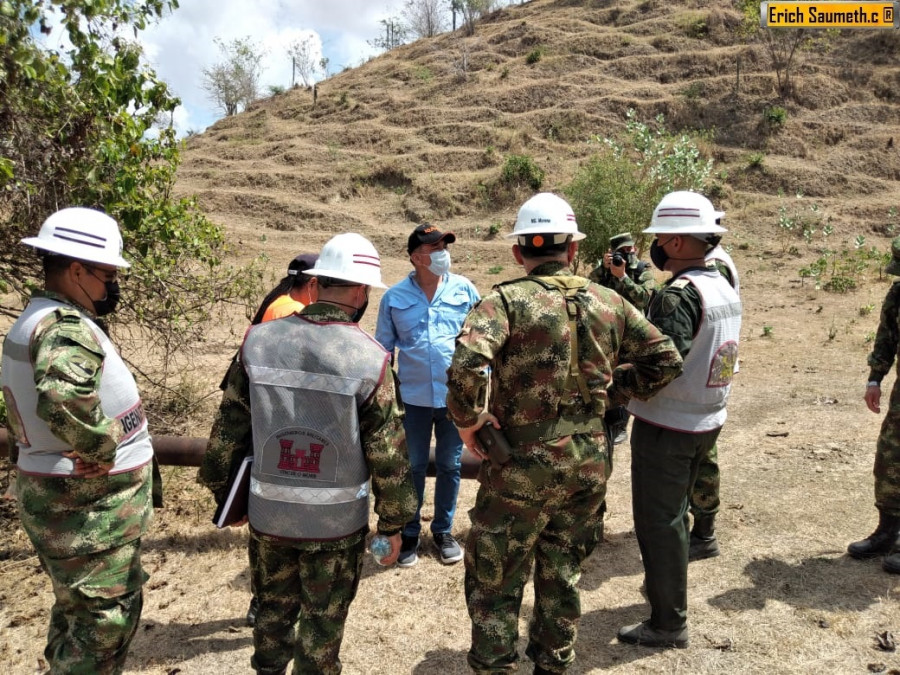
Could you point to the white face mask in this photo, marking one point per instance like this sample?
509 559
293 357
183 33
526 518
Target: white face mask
440 263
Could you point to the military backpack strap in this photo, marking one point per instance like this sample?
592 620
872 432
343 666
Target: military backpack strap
569 286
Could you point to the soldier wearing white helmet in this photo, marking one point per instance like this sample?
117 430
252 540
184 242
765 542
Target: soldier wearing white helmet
677 428
84 452
552 341
315 403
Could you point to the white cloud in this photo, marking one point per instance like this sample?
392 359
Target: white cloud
181 45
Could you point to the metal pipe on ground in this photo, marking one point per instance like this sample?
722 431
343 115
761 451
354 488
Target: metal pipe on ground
181 451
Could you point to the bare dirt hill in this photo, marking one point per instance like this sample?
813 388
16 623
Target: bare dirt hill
421 133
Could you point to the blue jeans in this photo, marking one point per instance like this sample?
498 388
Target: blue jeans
418 424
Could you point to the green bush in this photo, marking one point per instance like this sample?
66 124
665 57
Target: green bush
775 116
534 55
521 170
617 189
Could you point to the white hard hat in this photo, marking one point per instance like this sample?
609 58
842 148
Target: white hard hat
350 257
83 234
545 213
685 212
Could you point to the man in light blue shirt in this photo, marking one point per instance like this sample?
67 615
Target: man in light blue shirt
420 317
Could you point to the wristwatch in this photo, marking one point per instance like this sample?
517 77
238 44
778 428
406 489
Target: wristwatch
873 383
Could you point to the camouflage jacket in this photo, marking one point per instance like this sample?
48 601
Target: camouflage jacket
887 339
68 363
525 338
381 433
66 517
637 286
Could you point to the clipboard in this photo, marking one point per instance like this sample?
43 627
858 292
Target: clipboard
234 508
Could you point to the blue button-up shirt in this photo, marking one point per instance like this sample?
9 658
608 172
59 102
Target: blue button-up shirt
424 334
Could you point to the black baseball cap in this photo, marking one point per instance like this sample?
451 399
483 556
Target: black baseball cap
303 262
426 233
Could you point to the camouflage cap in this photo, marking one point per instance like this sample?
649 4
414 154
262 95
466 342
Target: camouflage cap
893 267
620 240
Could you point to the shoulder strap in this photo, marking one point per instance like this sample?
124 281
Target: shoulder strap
570 286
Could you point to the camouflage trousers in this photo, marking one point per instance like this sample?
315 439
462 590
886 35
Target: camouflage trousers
304 597
97 609
705 491
887 459
527 512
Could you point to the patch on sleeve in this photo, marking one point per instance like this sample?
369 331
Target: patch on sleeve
668 303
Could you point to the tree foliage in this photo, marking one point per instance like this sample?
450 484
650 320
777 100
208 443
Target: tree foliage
77 129
471 11
233 83
618 188
395 34
783 45
306 59
425 18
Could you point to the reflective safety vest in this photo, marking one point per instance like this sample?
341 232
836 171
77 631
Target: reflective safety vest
308 380
40 451
694 401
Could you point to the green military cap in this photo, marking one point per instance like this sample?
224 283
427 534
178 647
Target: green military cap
893 267
620 240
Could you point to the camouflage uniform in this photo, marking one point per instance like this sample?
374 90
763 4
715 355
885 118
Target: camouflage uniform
637 286
87 532
887 451
305 587
544 505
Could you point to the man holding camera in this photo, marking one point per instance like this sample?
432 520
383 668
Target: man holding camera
621 271
633 279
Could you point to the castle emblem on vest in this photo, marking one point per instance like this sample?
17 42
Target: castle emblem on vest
299 453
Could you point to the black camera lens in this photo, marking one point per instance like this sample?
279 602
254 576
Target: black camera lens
618 259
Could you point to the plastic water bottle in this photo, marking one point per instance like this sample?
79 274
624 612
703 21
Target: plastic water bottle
380 548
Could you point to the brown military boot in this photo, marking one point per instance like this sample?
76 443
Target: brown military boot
880 542
703 543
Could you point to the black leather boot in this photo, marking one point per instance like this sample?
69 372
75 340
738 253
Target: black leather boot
703 542
880 542
891 562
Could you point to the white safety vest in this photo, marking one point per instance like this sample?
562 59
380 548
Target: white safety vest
308 380
40 452
719 253
694 402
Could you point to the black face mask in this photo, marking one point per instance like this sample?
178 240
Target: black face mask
658 255
108 304
357 316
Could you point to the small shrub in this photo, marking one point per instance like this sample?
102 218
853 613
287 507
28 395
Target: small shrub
768 331
694 91
775 116
504 73
423 73
755 160
342 99
534 55
521 169
496 269
494 229
275 89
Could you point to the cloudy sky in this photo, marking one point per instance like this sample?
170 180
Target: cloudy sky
181 45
